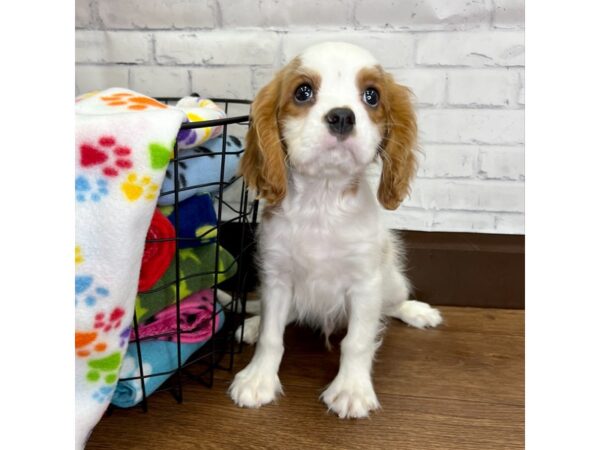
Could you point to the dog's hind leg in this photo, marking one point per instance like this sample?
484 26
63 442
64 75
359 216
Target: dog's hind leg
252 327
396 303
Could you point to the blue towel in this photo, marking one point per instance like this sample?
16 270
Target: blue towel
157 356
203 169
197 220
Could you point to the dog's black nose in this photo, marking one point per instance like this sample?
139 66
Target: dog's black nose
341 121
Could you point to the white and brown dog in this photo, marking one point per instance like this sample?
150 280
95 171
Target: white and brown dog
326 259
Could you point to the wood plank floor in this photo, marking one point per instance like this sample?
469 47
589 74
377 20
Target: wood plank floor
460 386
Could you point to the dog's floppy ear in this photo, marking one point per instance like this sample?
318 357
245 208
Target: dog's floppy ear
398 146
263 161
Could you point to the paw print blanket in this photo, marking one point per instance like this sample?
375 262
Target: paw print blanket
124 142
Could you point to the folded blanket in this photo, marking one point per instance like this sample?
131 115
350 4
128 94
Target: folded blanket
158 356
195 172
157 255
192 263
194 312
197 220
197 109
123 143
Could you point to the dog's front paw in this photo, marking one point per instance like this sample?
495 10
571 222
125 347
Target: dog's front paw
351 397
253 387
418 314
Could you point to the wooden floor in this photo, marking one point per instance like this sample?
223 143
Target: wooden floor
460 386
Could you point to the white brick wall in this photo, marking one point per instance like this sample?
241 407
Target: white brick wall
463 59
428 15
285 14
508 14
483 87
161 81
471 49
91 78
472 126
222 82
216 48
113 47
157 14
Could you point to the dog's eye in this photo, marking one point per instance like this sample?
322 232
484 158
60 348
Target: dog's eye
304 93
371 96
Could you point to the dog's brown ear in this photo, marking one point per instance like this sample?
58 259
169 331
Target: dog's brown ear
398 147
263 160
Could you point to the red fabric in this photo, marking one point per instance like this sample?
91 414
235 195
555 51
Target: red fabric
157 255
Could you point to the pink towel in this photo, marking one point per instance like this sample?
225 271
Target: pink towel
196 313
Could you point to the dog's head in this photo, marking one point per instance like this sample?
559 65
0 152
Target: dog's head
329 113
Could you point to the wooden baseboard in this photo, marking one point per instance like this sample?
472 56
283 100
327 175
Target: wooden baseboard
467 269
458 269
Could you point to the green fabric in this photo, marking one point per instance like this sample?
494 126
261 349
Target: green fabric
194 260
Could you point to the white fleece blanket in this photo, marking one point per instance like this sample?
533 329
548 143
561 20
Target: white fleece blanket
124 142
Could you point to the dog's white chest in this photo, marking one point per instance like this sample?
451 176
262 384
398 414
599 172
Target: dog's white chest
326 257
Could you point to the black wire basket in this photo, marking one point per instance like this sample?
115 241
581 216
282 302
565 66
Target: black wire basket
236 235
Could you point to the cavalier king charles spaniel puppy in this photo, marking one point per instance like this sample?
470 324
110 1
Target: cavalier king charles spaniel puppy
326 258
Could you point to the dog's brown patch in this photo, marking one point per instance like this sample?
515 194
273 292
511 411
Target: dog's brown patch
294 77
263 162
373 77
395 117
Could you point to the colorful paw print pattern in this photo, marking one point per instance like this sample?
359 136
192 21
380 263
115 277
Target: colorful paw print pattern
88 293
87 191
102 369
78 256
136 187
86 343
124 336
109 322
107 154
116 164
132 101
103 394
105 369
187 137
160 155
193 136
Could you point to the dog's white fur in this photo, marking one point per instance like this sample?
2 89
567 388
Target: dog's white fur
327 260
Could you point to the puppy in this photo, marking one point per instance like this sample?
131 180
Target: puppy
326 258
